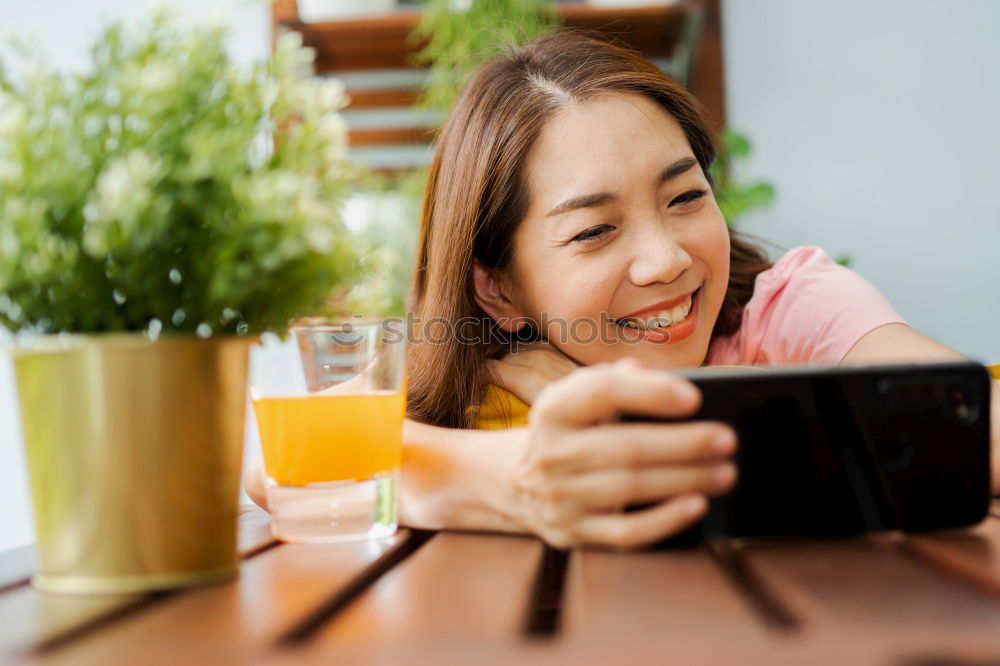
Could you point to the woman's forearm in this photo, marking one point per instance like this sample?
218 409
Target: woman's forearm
451 478
458 479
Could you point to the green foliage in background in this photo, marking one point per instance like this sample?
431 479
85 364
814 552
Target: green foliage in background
165 188
735 197
389 206
459 41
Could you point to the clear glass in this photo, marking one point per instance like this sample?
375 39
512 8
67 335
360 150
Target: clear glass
329 405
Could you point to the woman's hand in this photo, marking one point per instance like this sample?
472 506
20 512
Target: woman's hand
526 372
579 467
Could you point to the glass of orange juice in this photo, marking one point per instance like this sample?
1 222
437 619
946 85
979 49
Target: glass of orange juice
329 405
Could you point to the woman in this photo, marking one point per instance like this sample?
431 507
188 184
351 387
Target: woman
569 205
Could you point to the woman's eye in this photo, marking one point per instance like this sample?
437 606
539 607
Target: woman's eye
592 233
688 197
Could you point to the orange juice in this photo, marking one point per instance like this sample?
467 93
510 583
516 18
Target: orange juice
330 437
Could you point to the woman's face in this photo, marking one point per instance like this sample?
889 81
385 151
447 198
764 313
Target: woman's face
621 231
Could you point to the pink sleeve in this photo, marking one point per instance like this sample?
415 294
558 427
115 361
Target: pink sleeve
807 308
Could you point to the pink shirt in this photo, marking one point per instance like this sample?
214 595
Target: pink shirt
806 308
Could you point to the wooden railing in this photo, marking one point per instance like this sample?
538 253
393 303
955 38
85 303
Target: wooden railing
375 58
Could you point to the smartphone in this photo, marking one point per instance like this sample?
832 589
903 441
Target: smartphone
848 449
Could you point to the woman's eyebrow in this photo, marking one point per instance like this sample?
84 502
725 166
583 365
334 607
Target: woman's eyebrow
586 201
670 172
675 169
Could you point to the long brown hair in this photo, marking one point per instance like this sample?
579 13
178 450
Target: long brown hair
476 197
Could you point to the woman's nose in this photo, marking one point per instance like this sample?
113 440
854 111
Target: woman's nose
657 257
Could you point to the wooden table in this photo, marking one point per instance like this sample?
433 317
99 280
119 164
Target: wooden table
460 598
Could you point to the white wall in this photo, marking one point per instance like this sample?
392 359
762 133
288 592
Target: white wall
879 123
15 520
63 30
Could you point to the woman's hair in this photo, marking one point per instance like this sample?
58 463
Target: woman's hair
476 196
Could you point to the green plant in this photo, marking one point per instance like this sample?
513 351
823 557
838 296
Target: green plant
460 39
737 198
165 188
388 206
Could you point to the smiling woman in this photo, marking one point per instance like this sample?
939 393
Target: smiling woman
569 206
557 175
639 253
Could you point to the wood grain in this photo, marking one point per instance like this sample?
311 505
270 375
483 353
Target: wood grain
391 135
707 79
458 587
276 590
658 598
384 42
32 619
970 557
381 98
867 590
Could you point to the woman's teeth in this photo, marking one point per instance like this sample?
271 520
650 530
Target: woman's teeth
663 319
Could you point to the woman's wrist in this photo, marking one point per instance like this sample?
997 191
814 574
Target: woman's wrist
459 479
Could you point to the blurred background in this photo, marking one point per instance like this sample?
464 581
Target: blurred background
867 127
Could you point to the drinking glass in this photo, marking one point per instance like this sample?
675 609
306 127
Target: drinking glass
329 405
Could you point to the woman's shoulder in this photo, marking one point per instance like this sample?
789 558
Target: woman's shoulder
806 308
807 276
804 258
501 409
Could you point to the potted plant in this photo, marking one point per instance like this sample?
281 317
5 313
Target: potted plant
157 211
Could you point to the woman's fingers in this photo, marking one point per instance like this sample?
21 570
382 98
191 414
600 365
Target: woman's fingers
580 464
598 393
523 381
529 370
641 528
618 488
253 483
637 444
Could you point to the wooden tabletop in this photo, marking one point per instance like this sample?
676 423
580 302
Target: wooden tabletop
462 598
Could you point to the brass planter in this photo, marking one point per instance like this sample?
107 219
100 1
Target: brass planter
134 450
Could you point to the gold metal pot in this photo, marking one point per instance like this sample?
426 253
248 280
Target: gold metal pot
134 450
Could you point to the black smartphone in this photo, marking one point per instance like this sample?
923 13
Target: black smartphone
848 449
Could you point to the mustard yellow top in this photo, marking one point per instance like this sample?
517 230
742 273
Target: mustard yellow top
501 409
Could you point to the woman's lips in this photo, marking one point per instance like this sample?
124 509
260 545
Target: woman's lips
659 307
673 333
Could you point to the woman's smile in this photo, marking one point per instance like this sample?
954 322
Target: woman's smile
662 325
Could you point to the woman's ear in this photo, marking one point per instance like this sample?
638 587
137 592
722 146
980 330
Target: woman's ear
491 298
